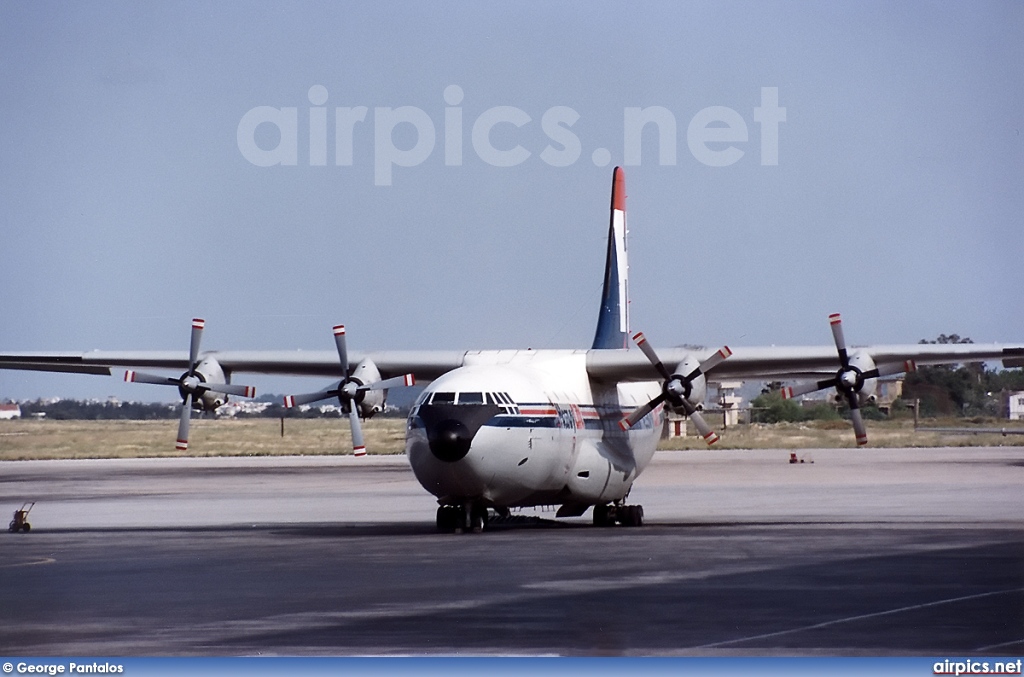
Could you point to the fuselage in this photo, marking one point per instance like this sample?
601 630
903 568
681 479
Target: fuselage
527 428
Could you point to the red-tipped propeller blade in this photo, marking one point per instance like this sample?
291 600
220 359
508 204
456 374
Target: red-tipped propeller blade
142 377
183 423
291 401
388 383
358 446
193 345
709 435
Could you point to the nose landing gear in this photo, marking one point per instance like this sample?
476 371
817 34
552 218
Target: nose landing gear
462 518
610 514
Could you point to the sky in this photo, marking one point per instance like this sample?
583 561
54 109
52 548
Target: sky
164 161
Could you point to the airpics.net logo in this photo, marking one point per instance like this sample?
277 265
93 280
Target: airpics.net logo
716 136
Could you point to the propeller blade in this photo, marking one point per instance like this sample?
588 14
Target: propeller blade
709 435
339 341
716 359
396 382
858 426
837 334
890 369
231 389
358 447
193 346
141 377
183 423
645 347
789 392
634 416
291 401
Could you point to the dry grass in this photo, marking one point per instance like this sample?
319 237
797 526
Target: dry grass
839 434
21 440
29 439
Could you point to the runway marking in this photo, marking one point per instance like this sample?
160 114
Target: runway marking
33 563
861 617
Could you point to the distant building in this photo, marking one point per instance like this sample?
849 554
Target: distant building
730 402
9 411
1015 406
889 390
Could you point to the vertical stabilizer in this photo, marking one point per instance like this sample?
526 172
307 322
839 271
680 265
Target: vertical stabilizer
613 322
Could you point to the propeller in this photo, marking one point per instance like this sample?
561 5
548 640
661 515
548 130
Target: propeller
191 384
849 380
349 392
676 389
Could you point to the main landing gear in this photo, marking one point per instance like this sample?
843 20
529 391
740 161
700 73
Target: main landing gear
462 518
610 514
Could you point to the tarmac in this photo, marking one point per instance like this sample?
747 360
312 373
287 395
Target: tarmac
851 552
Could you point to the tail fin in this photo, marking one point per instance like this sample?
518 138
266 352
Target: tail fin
613 322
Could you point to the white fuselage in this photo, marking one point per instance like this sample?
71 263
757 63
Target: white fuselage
549 434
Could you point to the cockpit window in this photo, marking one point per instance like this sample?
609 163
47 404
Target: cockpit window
500 399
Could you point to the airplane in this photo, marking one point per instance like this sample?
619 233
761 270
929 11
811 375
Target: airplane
496 430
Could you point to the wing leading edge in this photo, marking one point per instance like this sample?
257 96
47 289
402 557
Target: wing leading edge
426 364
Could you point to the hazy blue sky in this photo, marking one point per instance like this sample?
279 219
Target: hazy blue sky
128 206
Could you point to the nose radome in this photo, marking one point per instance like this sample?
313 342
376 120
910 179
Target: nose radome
451 440
451 428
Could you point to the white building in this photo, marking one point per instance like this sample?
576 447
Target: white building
1016 406
730 402
9 411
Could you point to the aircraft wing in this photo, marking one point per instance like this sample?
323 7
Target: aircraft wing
425 364
772 362
794 362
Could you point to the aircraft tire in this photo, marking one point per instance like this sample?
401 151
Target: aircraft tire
631 515
602 515
478 519
448 518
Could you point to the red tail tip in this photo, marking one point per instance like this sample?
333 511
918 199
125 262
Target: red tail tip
619 189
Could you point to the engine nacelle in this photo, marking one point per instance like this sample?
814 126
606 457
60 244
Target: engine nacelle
698 386
867 389
208 371
370 402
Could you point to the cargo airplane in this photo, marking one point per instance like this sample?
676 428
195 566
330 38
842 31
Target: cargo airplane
501 429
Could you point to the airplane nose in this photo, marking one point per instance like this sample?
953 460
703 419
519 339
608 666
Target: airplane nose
451 440
451 428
